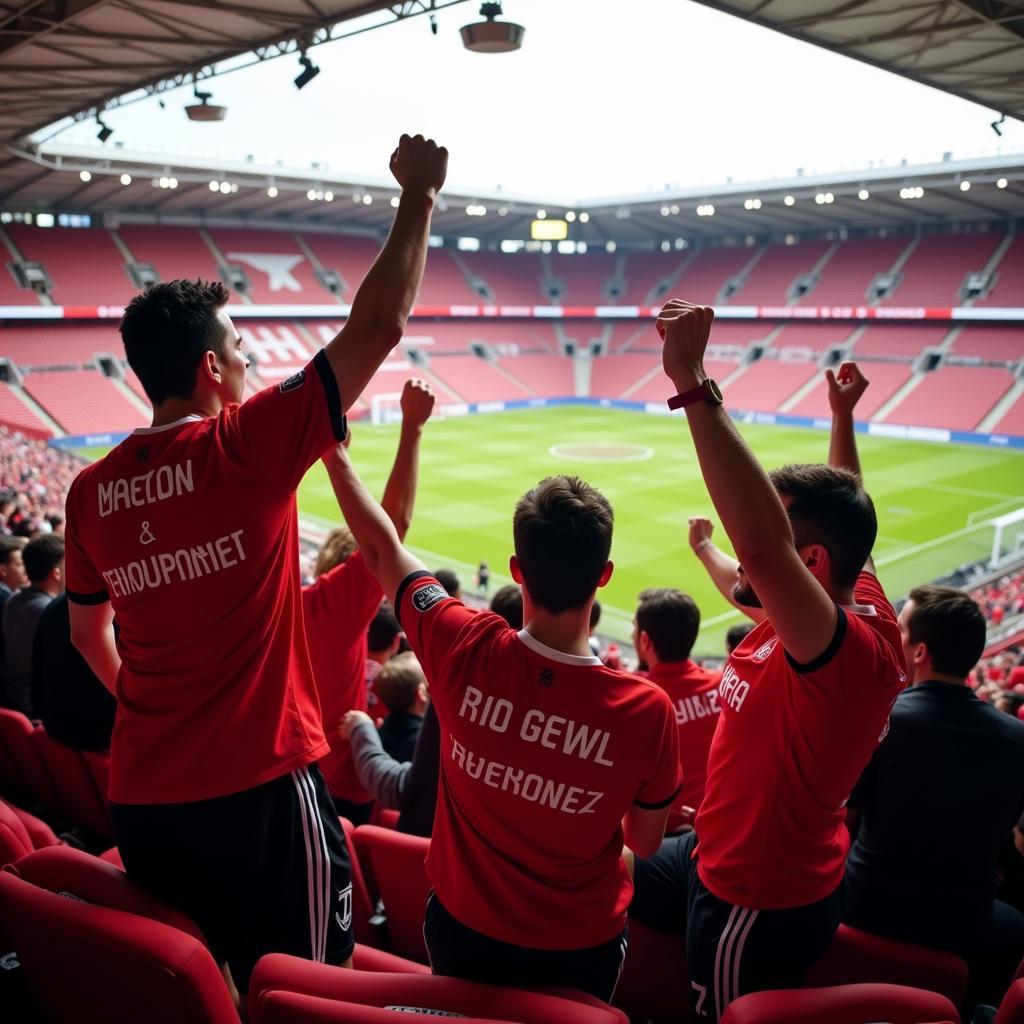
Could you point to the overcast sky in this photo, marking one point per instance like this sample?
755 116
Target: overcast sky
603 99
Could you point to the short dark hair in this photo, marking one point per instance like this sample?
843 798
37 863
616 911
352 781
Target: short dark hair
671 619
8 545
951 625
734 636
383 629
167 329
449 580
397 682
508 603
830 507
595 614
42 555
563 535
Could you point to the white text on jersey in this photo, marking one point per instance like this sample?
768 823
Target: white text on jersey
136 491
700 705
732 689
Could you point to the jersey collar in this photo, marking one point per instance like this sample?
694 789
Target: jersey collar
191 418
552 655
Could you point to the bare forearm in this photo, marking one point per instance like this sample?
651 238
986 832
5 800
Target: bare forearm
842 447
100 654
400 491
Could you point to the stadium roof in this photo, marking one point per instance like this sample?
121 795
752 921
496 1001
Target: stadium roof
970 48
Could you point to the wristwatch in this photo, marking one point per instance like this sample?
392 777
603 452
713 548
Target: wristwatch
708 390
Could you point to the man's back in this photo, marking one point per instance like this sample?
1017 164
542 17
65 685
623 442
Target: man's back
940 797
20 618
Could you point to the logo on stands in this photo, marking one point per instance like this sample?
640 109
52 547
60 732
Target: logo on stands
296 380
764 651
426 597
277 266
344 916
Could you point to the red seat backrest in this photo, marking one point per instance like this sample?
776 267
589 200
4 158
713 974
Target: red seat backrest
113 967
654 984
76 788
855 957
397 863
14 840
845 1004
39 833
367 958
279 973
1011 1009
294 1008
16 738
362 903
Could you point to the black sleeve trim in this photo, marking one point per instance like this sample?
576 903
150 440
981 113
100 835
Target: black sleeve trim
830 652
338 423
661 804
404 586
98 598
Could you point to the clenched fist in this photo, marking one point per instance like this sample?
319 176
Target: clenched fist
845 388
349 722
684 329
419 164
701 529
417 402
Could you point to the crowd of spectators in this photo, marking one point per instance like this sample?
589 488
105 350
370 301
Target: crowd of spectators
1001 599
34 482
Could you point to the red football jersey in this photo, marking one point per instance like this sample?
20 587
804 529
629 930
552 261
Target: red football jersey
694 694
790 744
542 755
338 608
190 531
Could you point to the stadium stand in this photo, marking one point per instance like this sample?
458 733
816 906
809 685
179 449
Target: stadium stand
505 336
956 397
620 336
274 263
645 272
513 279
900 341
612 376
774 274
277 349
84 264
584 278
936 269
476 380
765 385
990 344
174 252
11 293
83 401
657 389
444 283
1012 421
348 255
45 344
815 338
14 413
708 273
547 376
1008 286
847 275
886 379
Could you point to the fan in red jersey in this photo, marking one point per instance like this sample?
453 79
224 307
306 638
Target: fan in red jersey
804 699
342 602
547 757
188 532
664 630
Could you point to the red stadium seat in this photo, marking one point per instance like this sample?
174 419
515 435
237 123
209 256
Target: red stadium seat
14 840
362 902
113 966
396 861
856 957
386 817
76 788
293 1008
654 985
39 833
366 958
16 738
846 1004
279 973
1011 1009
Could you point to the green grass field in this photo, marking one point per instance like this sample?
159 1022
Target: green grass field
928 497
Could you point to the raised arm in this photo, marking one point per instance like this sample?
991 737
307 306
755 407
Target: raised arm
373 530
382 304
802 613
400 491
720 566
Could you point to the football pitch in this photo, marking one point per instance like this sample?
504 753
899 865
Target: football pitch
933 500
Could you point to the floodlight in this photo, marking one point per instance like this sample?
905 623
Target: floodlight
204 110
997 126
307 74
105 130
492 36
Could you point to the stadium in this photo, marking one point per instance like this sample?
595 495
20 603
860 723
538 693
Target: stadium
539 326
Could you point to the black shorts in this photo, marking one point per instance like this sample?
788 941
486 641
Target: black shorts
460 952
730 950
261 871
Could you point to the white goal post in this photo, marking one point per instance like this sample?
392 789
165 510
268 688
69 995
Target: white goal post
386 408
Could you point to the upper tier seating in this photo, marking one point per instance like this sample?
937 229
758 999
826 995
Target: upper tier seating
10 292
84 264
817 338
515 279
899 340
175 253
994 344
14 413
444 283
936 269
955 397
476 380
705 277
622 335
504 336
83 401
48 344
548 376
1008 289
765 385
275 264
886 379
350 255
850 270
772 275
584 278
644 271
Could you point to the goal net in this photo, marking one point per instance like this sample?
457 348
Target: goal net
385 409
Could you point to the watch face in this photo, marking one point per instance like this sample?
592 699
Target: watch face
714 391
